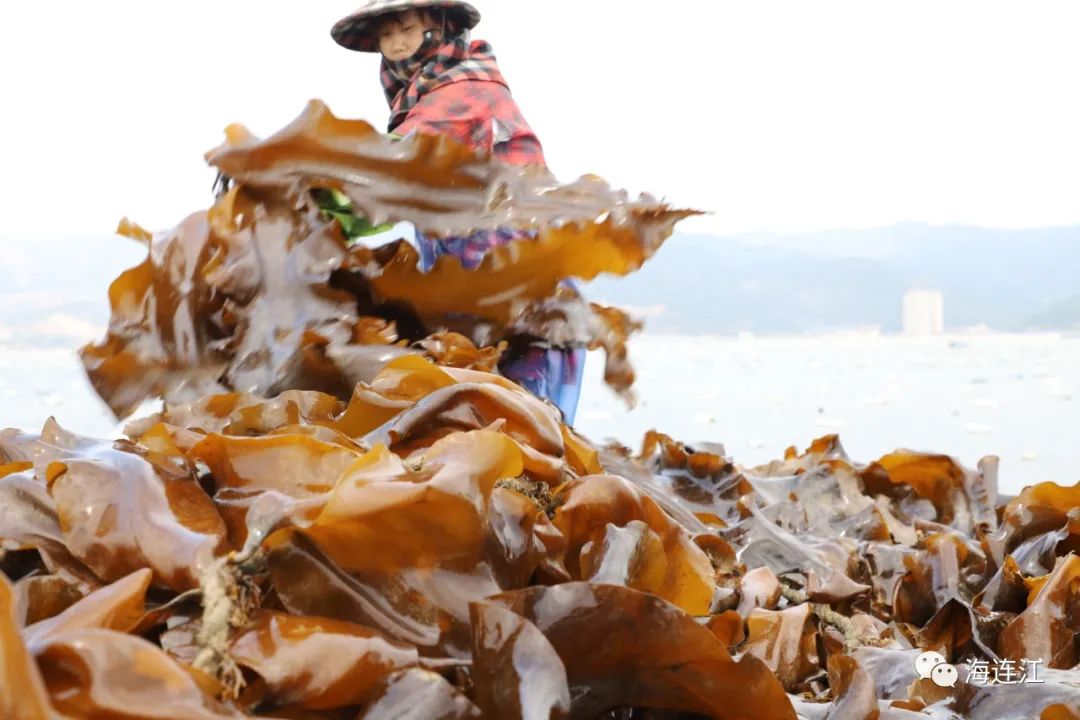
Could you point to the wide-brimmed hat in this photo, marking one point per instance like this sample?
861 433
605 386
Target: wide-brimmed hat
357 31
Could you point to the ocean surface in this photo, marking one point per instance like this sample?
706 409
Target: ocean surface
1014 396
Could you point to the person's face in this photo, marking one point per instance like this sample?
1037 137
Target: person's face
401 36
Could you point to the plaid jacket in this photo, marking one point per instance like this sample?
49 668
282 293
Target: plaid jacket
458 91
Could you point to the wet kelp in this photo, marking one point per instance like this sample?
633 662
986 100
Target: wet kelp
344 511
261 293
337 562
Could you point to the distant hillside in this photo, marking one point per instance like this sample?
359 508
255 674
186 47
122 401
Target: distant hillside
61 276
1064 315
766 283
1009 280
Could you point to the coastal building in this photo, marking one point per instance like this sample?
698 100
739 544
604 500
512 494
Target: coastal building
923 312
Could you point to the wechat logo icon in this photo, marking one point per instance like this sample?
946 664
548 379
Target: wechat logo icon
932 666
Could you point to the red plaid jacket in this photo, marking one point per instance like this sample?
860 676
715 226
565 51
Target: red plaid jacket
456 89
460 92
480 114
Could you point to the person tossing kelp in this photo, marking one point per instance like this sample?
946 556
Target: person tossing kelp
439 81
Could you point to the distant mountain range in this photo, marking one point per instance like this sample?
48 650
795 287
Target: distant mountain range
45 278
697 284
1004 279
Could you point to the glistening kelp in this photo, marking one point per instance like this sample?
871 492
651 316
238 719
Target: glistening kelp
261 293
505 567
344 511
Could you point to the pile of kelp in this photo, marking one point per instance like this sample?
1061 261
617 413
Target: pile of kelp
343 510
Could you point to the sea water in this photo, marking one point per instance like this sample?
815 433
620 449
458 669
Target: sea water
1014 396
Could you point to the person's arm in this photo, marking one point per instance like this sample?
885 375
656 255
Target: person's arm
480 114
454 112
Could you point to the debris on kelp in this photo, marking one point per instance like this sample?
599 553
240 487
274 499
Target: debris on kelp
442 533
262 294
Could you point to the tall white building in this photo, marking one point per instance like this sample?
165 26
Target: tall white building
924 312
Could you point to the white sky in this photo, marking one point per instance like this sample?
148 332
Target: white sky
774 114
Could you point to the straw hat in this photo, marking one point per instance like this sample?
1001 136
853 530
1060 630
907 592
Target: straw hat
357 31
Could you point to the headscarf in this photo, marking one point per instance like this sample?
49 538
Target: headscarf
435 64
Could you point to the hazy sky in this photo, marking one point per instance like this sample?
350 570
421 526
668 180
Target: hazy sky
773 114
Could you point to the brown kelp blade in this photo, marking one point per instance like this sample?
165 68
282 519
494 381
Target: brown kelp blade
317 663
621 647
441 187
106 674
22 691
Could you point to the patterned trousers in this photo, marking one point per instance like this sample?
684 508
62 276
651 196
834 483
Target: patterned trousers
554 374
